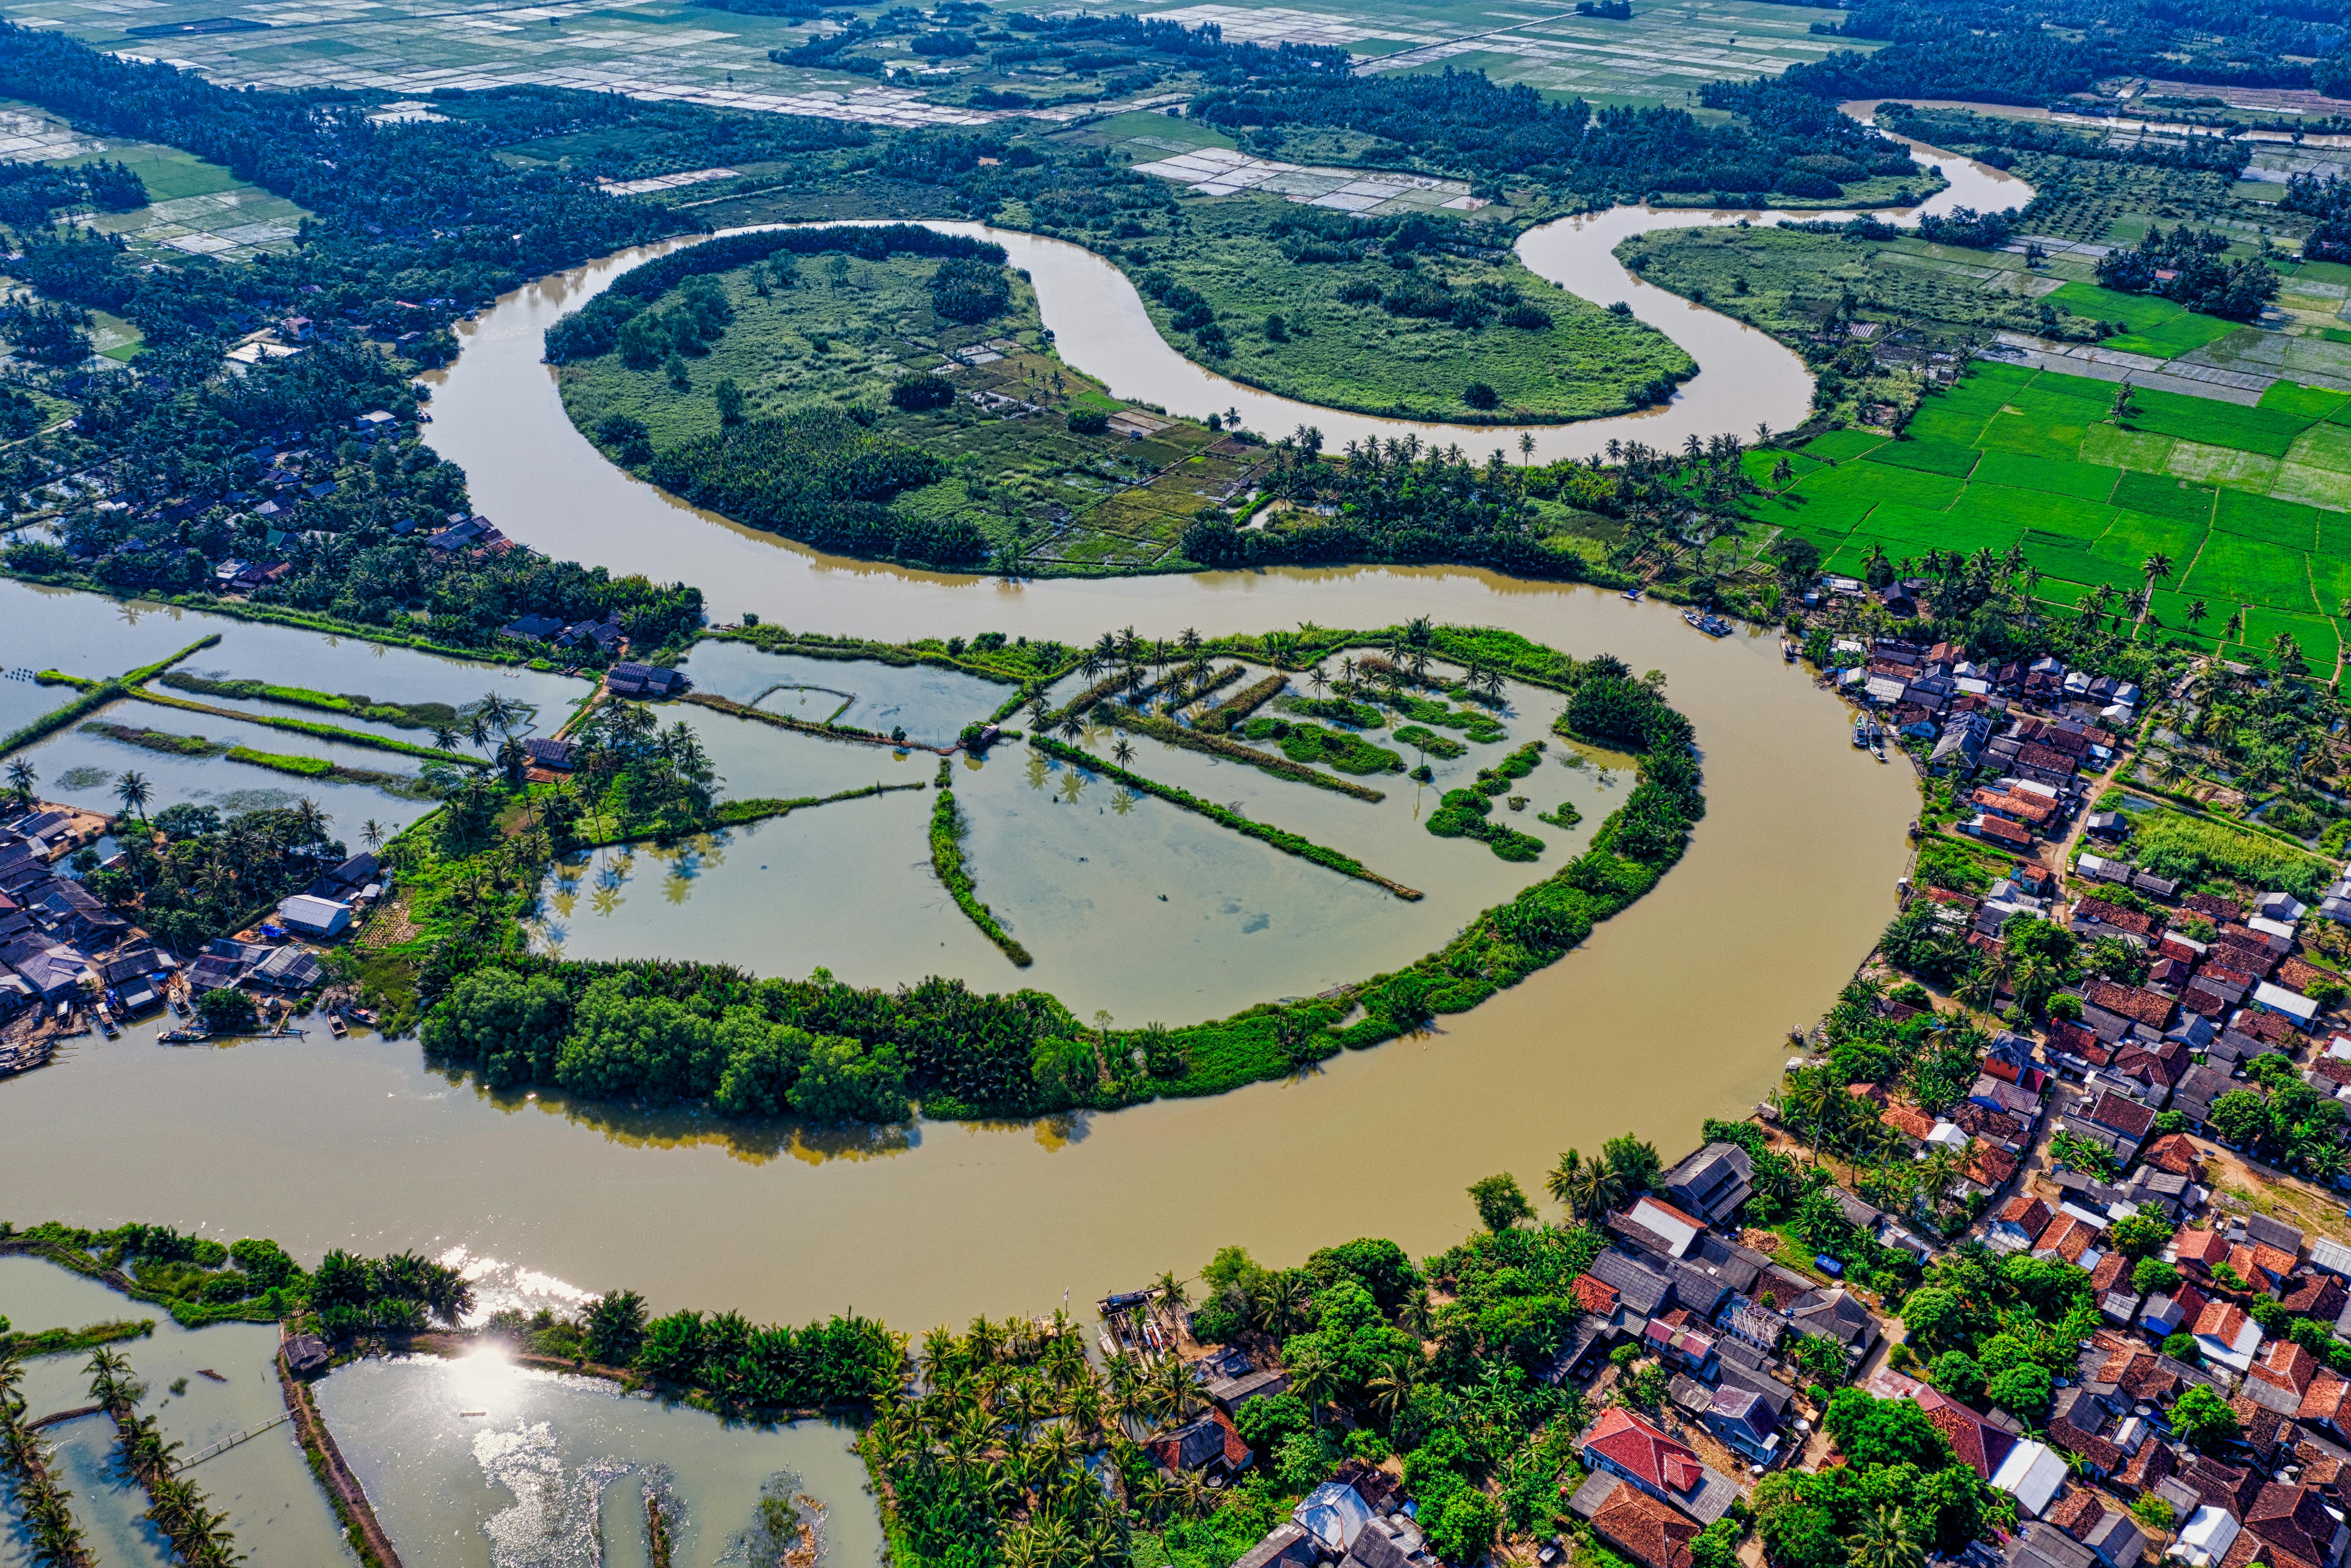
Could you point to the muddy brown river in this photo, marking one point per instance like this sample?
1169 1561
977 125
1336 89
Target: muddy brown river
1675 1011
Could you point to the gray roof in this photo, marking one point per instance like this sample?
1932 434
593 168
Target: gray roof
2276 1234
1597 1488
1286 1544
1774 1393
2043 1546
1712 1182
1641 1288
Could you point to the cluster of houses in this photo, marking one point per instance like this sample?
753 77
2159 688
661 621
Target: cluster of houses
2038 721
58 943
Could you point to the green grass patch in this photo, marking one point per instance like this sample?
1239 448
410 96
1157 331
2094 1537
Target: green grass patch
2032 509
1836 446
1939 420
1342 748
2284 523
2164 495
156 740
1926 456
2293 399
2117 447
2269 431
2036 435
2018 471
2155 326
2233 569
946 859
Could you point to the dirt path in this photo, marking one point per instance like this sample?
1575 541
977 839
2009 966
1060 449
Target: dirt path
350 1498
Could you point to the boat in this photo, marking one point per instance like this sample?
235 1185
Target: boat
1788 650
195 1036
208 1372
106 1022
334 1026
1861 734
1633 594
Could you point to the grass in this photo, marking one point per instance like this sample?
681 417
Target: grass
2203 482
2154 327
946 859
1358 357
1066 502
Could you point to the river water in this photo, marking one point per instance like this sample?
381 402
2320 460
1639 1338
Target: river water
1675 1011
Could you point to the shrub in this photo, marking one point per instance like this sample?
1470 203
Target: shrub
1478 395
1087 421
924 390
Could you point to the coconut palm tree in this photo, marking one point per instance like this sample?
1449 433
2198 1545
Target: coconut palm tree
1883 1541
1122 752
133 789
1566 1177
1318 679
445 739
372 834
2156 568
22 777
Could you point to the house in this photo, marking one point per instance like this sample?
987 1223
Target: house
1335 1514
532 628
2205 1537
315 917
1626 1446
1678 1231
1678 1344
555 757
2197 1089
2031 1474
306 1355
1208 1444
2111 1537
2291 1005
1643 1289
1287 1545
1745 1424
2124 1119
1646 1531
2295 1528
628 679
1835 1313
1713 1183
2227 1334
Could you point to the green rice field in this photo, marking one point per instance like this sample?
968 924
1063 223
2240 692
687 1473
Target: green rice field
2253 504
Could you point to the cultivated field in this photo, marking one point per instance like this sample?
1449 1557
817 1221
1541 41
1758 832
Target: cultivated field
2249 502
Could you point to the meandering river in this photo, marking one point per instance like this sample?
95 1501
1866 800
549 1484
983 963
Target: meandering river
1675 1011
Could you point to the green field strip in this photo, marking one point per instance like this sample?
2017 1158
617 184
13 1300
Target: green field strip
1836 446
2293 399
2165 495
2116 448
2155 326
2283 523
2248 571
2020 471
2035 509
2034 435
1926 457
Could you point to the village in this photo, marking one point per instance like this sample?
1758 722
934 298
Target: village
68 963
2097 1154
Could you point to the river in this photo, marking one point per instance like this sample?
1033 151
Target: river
1675 1011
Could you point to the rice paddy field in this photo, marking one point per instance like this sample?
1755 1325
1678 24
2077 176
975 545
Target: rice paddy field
2252 503
197 208
671 49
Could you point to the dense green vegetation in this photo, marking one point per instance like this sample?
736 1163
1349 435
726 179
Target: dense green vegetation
1469 813
404 715
1395 316
947 860
824 1051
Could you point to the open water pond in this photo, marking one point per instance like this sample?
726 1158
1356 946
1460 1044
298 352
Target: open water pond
276 1510
1128 903
478 1461
80 767
931 705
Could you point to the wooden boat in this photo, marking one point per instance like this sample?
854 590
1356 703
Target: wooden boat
1788 650
1861 734
334 1026
208 1372
195 1036
1633 594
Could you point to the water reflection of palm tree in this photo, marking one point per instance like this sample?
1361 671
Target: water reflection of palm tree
1040 772
1124 800
606 898
1073 785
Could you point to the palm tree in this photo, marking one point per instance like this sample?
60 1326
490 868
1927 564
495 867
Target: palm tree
1319 680
1566 1177
2156 568
1122 752
1526 448
372 834
445 739
1883 1543
21 780
133 791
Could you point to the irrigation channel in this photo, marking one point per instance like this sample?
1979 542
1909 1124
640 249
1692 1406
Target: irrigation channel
1673 1011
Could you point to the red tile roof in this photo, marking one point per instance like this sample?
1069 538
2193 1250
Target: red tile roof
2175 1153
2148 1007
1595 1296
1652 1533
1639 1449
